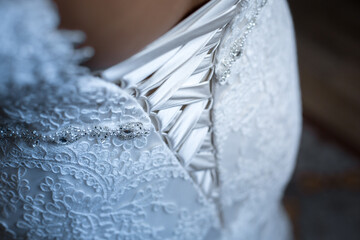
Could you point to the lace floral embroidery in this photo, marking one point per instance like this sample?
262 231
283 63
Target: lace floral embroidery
89 189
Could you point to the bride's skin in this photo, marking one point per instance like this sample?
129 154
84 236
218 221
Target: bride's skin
117 29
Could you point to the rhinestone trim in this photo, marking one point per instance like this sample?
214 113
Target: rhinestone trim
237 47
71 134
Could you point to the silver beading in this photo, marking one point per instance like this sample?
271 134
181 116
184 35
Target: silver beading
71 134
237 47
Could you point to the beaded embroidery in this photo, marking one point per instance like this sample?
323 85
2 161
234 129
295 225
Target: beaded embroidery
71 134
237 47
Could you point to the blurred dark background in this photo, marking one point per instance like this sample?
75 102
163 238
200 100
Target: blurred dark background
323 198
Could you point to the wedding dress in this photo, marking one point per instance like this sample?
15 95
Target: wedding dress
194 137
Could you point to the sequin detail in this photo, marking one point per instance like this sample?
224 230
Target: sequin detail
71 134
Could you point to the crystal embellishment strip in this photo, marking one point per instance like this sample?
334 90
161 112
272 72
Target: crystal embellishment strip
237 48
71 134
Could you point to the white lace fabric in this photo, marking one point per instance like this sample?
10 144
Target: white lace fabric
257 118
137 188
